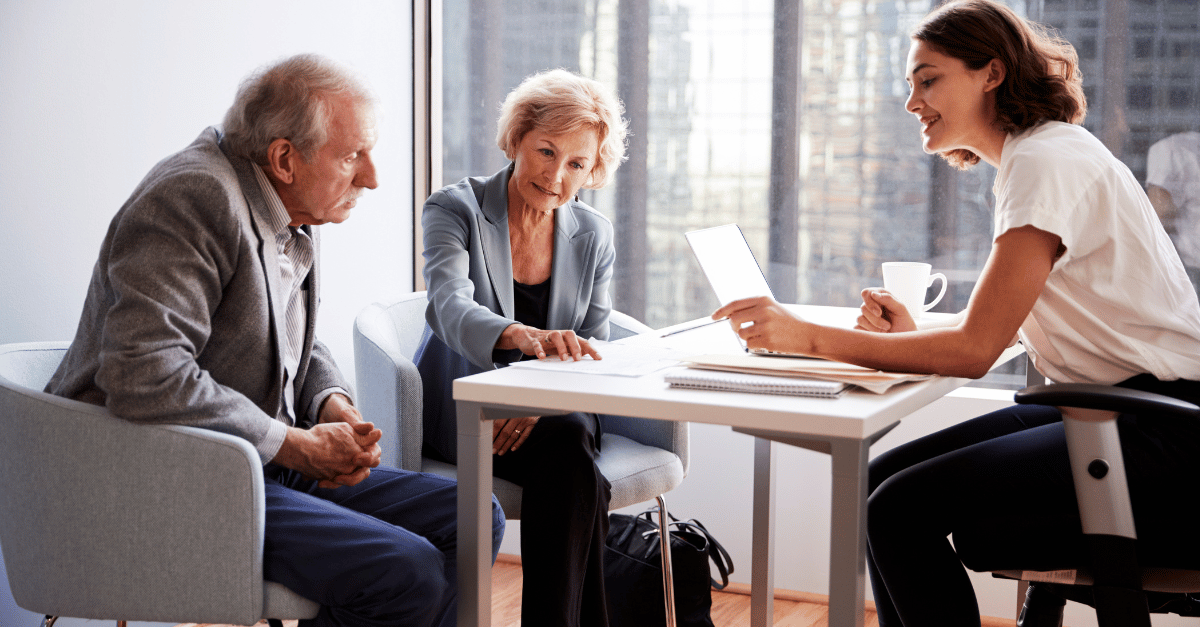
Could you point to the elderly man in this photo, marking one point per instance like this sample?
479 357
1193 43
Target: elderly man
201 311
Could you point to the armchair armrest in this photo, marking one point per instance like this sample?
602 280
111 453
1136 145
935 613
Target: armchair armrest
671 436
85 493
1094 445
389 387
1098 470
1105 398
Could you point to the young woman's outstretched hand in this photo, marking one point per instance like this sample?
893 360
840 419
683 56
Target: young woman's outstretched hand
763 323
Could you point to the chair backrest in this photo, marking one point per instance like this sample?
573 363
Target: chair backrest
622 325
404 321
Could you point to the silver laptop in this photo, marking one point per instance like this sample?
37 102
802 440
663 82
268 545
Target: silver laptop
730 267
728 263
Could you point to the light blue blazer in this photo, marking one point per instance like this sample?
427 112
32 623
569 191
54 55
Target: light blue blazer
469 277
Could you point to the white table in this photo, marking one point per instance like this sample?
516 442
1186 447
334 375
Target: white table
843 427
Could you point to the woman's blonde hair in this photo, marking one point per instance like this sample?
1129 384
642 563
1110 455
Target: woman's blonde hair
1042 81
560 102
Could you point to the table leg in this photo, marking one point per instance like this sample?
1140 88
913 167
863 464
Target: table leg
848 544
762 566
474 516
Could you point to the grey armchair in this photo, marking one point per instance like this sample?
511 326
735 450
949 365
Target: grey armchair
642 459
1116 574
106 519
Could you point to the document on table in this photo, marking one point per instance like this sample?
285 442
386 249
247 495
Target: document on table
876 381
617 359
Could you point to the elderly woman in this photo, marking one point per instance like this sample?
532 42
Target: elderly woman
517 268
1080 269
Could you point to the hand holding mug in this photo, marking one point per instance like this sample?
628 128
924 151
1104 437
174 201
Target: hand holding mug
907 282
881 312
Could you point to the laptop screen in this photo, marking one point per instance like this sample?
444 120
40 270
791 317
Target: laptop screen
728 263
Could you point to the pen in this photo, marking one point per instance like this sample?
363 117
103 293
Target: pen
695 326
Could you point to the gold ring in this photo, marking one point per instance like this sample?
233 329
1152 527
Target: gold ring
517 431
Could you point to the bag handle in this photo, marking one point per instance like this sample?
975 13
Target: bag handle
716 552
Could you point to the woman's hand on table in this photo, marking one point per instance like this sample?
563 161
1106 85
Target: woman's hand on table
882 313
541 343
509 435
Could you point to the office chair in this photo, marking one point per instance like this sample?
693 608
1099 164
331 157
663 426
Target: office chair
642 459
104 518
1107 568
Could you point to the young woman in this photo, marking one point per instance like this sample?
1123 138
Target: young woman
1081 271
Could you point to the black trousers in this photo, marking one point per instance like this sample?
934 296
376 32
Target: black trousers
564 521
1001 485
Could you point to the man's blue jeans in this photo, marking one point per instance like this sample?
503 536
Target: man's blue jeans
383 552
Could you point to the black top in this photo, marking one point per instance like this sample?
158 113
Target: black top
531 304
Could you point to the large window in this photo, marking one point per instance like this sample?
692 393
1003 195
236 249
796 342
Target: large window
788 120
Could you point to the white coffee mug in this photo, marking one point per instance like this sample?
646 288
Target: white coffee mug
908 280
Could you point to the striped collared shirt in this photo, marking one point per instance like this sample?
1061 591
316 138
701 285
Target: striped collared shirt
295 252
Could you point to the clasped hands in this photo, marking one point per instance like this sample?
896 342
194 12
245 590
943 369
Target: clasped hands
764 323
340 450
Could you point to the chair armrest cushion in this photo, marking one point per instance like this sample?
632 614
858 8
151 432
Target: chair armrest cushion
104 518
1105 397
667 435
389 390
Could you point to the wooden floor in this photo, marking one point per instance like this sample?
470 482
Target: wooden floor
730 609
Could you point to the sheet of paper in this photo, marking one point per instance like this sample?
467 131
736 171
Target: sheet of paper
619 359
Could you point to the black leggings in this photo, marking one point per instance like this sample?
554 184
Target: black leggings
1006 472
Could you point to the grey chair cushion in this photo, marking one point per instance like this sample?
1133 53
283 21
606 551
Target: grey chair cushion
280 602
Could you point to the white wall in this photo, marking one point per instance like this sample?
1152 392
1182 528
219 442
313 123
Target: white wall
94 93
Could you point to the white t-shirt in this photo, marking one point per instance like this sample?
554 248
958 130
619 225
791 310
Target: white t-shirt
1173 164
1117 302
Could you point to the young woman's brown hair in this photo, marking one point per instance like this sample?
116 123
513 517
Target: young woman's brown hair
1042 83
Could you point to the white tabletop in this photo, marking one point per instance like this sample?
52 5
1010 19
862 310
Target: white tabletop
856 414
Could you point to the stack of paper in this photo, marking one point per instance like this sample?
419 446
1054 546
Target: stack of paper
876 381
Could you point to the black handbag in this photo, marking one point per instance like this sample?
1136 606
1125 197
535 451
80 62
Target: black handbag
633 578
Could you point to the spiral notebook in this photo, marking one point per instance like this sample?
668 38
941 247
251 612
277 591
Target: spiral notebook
697 379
